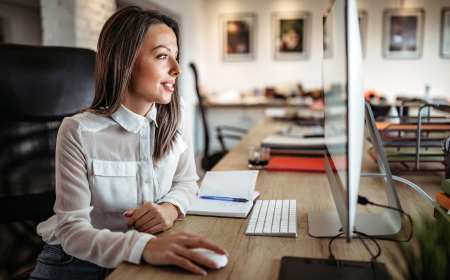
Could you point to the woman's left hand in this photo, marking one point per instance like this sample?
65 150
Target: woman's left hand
152 217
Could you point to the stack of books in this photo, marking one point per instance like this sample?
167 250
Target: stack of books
443 199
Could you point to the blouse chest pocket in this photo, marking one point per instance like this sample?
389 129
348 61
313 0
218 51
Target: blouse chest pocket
113 186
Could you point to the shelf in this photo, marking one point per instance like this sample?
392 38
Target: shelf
434 127
410 156
412 142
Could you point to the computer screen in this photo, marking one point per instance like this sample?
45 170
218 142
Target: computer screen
344 113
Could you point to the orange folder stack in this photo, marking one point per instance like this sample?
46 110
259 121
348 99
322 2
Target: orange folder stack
443 200
296 164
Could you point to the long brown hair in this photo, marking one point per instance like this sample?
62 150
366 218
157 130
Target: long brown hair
117 49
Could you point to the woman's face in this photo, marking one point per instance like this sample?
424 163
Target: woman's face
154 72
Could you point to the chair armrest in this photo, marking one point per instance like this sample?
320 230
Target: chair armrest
235 129
221 135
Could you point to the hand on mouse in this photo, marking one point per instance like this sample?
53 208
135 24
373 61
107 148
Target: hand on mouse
175 249
152 217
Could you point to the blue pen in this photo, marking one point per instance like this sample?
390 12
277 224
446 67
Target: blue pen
225 198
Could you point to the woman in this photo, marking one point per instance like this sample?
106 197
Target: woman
130 151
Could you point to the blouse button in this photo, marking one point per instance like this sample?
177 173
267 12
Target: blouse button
144 158
144 136
147 181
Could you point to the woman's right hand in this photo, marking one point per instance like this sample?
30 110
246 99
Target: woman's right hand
175 249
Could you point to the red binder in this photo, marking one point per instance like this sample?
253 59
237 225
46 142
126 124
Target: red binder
296 164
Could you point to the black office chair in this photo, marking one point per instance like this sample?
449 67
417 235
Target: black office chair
39 86
209 160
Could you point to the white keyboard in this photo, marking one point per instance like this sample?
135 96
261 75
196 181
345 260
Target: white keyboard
273 218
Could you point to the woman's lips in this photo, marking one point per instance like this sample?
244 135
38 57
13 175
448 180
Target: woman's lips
168 86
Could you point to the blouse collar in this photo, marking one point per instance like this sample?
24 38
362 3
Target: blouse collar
132 121
151 115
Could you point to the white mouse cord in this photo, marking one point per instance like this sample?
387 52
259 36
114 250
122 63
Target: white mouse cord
414 186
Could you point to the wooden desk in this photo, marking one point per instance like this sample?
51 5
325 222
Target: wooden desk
259 257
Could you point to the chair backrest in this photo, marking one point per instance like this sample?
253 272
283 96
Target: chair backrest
202 112
44 81
39 86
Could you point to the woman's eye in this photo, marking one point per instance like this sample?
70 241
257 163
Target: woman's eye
162 56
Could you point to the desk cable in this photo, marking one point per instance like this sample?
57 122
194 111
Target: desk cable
362 200
414 186
359 234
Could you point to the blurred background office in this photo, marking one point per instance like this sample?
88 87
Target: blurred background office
262 64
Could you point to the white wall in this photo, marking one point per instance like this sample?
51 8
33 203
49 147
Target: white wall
74 23
22 24
90 16
263 70
58 23
406 77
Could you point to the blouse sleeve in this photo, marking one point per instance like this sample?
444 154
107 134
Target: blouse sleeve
74 229
184 186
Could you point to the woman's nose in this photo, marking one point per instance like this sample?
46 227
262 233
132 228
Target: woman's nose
175 70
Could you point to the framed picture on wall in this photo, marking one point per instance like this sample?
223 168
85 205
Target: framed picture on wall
445 33
327 37
291 35
403 33
362 18
238 36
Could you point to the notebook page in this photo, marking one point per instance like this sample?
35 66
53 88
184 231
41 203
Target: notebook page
216 206
236 184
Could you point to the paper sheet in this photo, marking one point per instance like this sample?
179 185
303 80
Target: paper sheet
236 184
219 206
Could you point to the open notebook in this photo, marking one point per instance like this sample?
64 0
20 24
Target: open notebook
236 184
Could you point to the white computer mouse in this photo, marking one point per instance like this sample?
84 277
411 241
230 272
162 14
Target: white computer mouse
220 260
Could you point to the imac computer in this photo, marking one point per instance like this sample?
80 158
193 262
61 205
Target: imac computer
345 113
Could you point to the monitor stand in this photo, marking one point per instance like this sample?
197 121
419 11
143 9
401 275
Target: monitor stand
387 224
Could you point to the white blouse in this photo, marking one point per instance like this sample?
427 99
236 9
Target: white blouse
104 167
